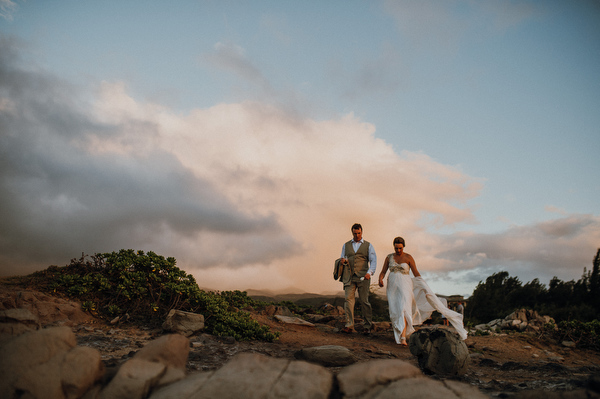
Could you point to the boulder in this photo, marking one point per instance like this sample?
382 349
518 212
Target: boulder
273 310
49 310
159 363
184 323
358 379
327 355
17 321
293 320
250 375
20 315
418 388
439 351
47 364
134 380
329 309
80 368
319 318
186 388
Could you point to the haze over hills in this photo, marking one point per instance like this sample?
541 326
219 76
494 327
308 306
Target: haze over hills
279 296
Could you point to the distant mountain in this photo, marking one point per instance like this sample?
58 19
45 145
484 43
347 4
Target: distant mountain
305 298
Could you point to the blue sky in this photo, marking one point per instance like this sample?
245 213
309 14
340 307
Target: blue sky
245 138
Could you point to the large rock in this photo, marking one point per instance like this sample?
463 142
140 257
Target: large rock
439 351
293 320
250 375
358 379
135 379
15 322
392 378
273 310
418 388
48 309
46 364
327 355
171 351
80 368
159 363
184 323
186 388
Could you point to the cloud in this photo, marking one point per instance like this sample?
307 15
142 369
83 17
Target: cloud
243 195
91 178
444 23
379 75
232 57
559 247
233 190
7 9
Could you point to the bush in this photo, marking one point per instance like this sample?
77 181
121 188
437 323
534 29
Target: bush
585 335
146 286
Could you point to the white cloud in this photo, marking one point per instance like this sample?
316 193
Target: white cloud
560 247
243 195
7 9
444 23
314 178
232 57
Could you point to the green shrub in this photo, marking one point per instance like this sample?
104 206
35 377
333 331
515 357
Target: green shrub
584 334
146 286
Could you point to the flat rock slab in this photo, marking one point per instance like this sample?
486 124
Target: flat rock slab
327 355
293 320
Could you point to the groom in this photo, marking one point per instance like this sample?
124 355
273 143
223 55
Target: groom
359 262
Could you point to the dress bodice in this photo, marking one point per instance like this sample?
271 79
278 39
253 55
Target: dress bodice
398 267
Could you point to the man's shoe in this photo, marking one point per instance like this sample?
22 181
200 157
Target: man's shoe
347 330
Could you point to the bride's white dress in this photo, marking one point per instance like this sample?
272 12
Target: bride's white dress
413 300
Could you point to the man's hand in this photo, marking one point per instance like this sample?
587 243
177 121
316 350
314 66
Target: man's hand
367 276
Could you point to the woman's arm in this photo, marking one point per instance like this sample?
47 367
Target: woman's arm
413 266
383 270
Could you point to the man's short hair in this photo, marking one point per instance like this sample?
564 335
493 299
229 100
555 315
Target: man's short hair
356 226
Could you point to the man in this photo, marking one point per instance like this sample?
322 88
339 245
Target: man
358 261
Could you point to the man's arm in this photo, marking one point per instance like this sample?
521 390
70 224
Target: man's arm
372 261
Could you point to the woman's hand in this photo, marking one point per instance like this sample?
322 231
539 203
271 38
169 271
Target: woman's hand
381 282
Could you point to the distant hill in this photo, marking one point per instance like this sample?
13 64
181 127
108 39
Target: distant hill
306 298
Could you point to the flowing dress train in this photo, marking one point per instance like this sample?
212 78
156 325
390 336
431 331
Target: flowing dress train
412 300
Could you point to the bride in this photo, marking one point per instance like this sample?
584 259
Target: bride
411 301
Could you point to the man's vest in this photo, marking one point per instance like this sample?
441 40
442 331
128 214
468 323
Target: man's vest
359 260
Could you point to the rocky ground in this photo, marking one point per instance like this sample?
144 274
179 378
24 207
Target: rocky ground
501 365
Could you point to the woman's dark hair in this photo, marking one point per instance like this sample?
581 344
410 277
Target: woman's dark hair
399 240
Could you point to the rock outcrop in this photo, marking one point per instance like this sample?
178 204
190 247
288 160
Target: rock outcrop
439 351
48 364
523 320
49 310
184 323
327 355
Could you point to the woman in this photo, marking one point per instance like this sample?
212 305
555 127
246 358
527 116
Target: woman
411 304
400 290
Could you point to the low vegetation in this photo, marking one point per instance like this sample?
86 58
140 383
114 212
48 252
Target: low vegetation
575 305
145 287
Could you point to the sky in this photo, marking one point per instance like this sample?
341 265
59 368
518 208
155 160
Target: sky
245 138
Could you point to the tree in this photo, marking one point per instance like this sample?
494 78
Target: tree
594 288
492 299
